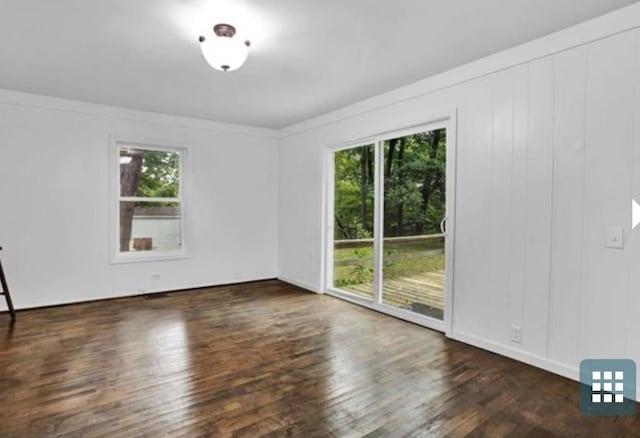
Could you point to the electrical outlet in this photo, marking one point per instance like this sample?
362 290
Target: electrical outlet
516 334
154 282
615 238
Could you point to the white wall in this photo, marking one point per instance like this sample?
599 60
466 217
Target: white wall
54 205
548 158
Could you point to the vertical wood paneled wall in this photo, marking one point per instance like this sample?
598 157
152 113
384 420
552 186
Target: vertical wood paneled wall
548 159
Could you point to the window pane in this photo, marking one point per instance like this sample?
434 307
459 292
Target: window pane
414 205
146 226
149 174
353 221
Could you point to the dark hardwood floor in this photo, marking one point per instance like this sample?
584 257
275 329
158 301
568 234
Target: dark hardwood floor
267 359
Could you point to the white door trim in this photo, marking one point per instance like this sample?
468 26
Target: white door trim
448 121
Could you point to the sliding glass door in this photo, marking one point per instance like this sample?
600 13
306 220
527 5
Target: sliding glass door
389 248
353 222
413 247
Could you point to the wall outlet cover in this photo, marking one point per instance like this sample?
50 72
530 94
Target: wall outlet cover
615 237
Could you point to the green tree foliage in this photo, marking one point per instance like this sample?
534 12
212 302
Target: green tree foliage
160 175
414 180
354 193
148 174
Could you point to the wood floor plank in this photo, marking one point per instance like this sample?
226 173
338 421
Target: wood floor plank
267 359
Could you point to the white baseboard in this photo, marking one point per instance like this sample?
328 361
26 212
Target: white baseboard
535 360
299 283
572 373
136 293
561 369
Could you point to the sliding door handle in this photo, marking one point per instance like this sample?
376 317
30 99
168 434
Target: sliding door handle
443 225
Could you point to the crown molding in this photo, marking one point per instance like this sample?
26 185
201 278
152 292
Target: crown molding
604 26
18 98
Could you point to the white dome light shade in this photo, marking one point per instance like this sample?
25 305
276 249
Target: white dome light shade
223 52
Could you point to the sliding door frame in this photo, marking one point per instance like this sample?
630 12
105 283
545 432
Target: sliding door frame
447 121
329 220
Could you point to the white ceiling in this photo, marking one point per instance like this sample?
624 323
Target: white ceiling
308 57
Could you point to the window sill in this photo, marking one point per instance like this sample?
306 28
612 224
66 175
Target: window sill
148 256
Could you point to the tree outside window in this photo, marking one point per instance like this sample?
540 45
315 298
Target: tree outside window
150 199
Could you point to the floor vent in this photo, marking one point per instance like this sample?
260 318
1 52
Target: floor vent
156 296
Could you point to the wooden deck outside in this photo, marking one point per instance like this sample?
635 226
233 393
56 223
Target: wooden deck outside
422 293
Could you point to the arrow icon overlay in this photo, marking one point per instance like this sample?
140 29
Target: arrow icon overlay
635 214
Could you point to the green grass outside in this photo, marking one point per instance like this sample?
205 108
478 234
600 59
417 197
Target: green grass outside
401 260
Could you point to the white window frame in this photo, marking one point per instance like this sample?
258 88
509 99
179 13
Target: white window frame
117 257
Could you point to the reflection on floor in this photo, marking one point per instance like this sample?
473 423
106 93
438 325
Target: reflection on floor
267 359
422 293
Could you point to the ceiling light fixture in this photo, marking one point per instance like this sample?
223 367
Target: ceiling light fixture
222 51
